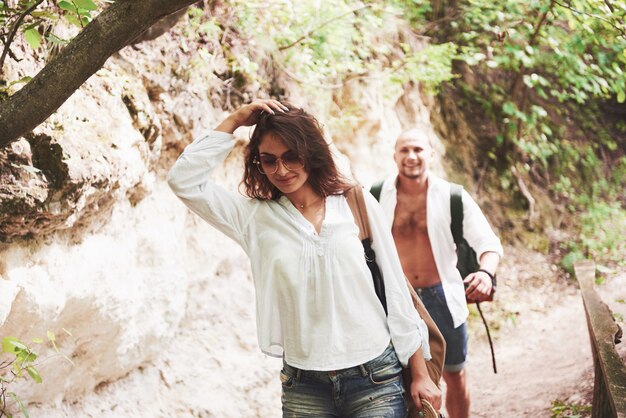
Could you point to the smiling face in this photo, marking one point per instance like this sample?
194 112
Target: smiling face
413 155
289 135
287 180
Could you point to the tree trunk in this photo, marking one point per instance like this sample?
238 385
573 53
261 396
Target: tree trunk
112 30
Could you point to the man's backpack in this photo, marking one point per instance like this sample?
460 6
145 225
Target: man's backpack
466 256
467 261
436 341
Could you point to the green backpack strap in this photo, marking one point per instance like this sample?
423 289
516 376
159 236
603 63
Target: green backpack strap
376 189
456 212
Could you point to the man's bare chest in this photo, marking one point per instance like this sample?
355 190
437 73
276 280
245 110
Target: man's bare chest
410 217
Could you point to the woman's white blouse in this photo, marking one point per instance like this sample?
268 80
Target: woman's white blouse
315 299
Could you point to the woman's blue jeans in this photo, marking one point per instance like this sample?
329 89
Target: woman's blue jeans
372 389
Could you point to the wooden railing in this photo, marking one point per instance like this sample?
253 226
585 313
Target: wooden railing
609 391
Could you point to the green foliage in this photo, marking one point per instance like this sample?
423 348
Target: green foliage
571 257
322 45
21 363
79 11
569 55
36 19
580 52
561 409
416 12
23 358
602 231
542 67
600 215
539 70
600 235
431 66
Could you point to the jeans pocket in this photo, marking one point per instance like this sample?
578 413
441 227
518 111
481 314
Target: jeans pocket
386 373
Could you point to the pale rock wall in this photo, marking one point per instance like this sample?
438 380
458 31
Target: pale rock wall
159 305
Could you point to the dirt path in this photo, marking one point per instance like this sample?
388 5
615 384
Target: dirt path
544 354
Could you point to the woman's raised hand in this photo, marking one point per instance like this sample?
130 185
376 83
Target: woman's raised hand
248 115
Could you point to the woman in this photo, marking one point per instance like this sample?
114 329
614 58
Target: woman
316 304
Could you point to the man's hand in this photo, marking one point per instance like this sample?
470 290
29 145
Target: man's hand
479 286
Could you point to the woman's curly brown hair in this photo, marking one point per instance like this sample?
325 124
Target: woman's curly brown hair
302 134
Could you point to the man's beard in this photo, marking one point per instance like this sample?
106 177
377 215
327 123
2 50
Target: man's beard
409 174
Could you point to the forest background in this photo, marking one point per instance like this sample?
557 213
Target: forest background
527 97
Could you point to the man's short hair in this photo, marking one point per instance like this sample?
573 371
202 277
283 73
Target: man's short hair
419 130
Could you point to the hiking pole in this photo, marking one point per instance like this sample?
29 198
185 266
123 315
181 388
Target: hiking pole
493 354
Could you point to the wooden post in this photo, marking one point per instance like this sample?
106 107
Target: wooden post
609 392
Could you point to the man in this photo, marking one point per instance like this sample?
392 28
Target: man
418 204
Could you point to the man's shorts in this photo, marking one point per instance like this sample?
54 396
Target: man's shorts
456 338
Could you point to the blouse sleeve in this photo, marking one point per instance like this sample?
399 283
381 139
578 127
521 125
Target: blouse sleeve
189 179
408 331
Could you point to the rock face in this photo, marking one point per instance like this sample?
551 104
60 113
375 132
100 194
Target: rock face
153 310
71 171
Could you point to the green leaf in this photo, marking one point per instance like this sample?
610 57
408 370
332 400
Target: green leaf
34 374
25 356
33 37
66 5
37 340
12 345
86 4
621 96
73 20
509 108
18 401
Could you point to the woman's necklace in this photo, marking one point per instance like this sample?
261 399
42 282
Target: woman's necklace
302 206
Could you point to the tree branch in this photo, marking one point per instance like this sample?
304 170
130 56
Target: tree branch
112 30
532 214
14 30
11 54
517 82
312 31
604 19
